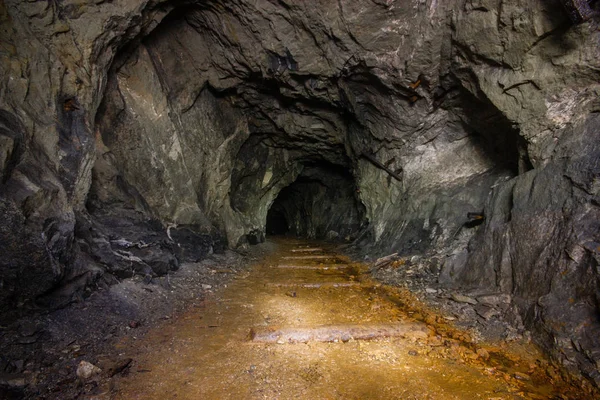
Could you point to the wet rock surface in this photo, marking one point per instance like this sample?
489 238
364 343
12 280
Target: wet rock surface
137 136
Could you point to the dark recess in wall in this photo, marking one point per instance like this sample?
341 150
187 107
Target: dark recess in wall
498 138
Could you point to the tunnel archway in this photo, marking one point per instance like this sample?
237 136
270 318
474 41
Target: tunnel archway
277 224
320 204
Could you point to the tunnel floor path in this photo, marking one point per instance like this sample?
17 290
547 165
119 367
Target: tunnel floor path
305 324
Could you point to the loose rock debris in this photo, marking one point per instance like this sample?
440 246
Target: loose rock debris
86 370
41 355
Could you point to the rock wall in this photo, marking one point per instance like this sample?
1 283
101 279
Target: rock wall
541 226
135 134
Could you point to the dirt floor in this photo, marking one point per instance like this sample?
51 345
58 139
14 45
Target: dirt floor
290 328
291 320
40 353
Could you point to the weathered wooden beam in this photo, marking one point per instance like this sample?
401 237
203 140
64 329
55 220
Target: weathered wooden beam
306 257
310 250
315 267
320 285
376 163
340 333
384 261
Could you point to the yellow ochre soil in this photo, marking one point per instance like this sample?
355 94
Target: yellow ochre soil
208 351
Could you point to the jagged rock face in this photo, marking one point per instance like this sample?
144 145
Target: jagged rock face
184 121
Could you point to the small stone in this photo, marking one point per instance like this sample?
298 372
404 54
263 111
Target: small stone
134 324
27 340
459 298
14 381
521 376
86 370
495 299
467 353
431 290
206 287
483 354
412 353
486 312
291 294
435 341
331 235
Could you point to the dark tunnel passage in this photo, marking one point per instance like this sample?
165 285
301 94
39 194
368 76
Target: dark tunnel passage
277 224
320 204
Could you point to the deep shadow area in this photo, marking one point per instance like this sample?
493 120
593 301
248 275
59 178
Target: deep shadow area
277 224
320 204
493 132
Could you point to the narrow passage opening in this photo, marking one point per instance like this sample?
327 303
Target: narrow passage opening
320 204
277 224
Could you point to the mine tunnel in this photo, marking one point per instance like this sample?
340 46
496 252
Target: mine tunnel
277 222
386 199
321 203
